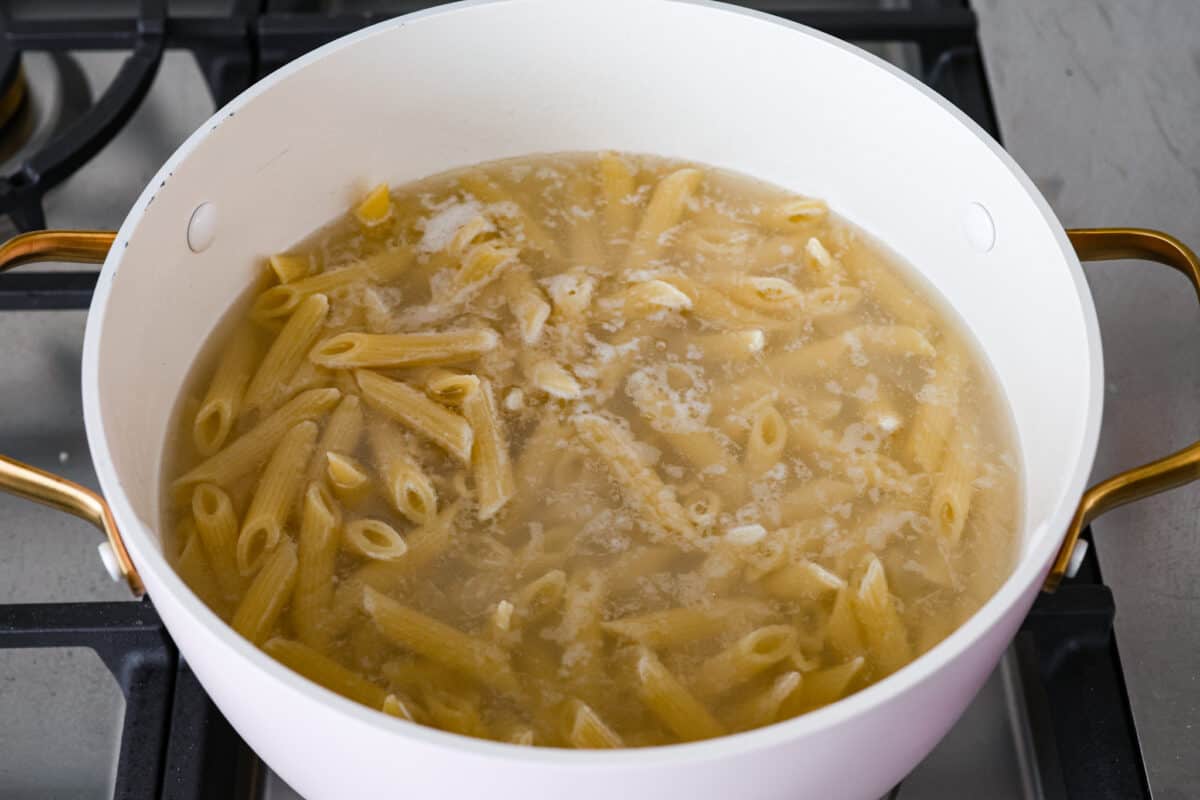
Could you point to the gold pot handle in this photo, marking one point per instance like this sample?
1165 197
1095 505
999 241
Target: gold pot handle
88 247
1107 244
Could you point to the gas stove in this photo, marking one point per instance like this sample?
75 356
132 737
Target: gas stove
96 700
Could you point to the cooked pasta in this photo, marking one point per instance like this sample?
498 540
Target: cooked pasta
591 451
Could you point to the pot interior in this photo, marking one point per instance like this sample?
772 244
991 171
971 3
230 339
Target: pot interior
476 82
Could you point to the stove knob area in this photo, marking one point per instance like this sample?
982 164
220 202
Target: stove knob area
109 558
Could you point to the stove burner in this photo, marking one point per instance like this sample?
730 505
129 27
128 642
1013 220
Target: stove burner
12 92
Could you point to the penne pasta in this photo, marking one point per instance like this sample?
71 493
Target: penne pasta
217 528
355 350
526 302
617 185
440 643
268 593
406 485
342 434
676 627
664 212
288 267
375 209
254 446
586 731
766 441
416 411
746 658
347 477
223 402
192 565
640 485
374 538
490 466
953 488
323 670
274 498
287 352
674 705
316 556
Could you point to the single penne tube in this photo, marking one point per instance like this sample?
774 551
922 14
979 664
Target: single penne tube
287 352
553 379
274 498
374 209
579 206
425 545
483 263
641 485
585 730
869 267
650 297
406 485
280 301
217 526
347 477
750 655
824 686
455 712
439 642
813 359
317 549
541 597
342 433
841 629
401 706
937 408
323 670
620 202
253 447
474 230
663 212
267 595
820 263
954 487
192 565
795 213
766 441
449 387
222 403
763 709
416 411
882 627
675 627
673 705
355 350
490 465
289 267
526 302
374 538
802 580
767 293
716 308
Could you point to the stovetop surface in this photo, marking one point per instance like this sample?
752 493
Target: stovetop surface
63 712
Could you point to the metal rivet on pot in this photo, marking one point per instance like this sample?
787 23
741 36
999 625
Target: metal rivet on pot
202 227
109 558
1078 553
979 227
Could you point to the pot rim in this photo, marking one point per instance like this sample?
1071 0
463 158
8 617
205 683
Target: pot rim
1029 571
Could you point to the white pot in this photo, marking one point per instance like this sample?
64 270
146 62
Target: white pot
473 82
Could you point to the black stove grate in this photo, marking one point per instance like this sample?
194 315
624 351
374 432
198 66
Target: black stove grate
175 743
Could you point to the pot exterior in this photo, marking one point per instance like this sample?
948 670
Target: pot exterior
728 88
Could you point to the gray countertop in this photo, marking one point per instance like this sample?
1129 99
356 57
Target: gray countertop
1099 100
